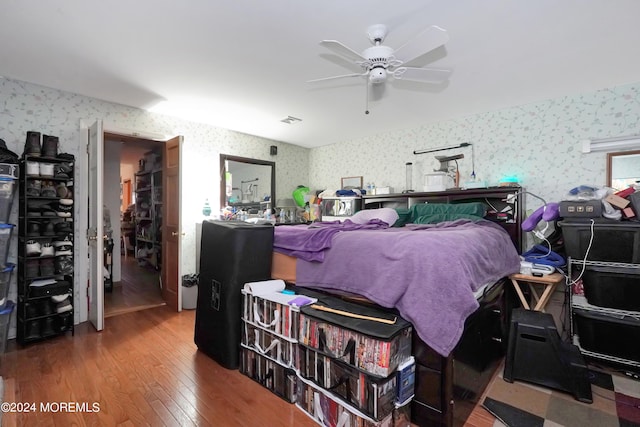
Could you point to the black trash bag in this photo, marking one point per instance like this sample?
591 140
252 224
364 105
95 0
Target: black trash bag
189 280
6 155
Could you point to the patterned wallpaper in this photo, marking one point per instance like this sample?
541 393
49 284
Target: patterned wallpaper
539 143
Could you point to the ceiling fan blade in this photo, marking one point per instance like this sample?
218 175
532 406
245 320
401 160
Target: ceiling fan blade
429 39
342 50
424 75
337 77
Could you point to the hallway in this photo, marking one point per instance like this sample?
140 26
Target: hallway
139 289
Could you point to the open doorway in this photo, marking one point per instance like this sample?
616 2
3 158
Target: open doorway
133 207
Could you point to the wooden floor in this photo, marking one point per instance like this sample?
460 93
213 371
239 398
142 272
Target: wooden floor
143 369
138 290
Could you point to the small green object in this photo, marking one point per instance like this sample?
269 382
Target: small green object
298 195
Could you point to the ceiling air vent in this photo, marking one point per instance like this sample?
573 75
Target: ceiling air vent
290 120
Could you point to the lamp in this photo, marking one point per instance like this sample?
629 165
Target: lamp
620 143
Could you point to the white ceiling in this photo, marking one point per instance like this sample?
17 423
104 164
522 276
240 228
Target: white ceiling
243 65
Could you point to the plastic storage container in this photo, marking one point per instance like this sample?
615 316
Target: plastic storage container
612 287
7 191
5 318
608 335
613 241
5 239
5 279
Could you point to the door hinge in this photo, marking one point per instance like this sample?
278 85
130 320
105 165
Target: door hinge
92 234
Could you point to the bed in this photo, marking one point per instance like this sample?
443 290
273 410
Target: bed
444 275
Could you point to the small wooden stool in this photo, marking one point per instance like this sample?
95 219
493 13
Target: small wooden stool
550 282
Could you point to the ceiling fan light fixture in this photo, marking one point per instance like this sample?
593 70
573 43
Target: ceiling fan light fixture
377 75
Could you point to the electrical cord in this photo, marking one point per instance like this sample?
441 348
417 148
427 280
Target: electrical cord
489 203
586 255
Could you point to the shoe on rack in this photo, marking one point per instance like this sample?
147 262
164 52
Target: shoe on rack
65 321
46 170
59 298
47 267
33 268
48 190
47 210
33 169
64 229
50 146
33 330
47 327
63 247
69 190
62 170
30 310
34 187
47 249
48 229
33 248
64 306
62 190
64 208
45 307
32 144
64 264
33 229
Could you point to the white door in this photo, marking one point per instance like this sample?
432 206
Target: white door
95 231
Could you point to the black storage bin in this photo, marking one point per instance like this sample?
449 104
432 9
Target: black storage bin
612 287
369 345
613 241
608 335
374 396
232 254
279 380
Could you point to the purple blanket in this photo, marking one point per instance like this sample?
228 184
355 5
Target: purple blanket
428 272
309 242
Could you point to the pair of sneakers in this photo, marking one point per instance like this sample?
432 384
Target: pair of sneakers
38 188
62 303
62 208
35 248
40 169
63 246
36 267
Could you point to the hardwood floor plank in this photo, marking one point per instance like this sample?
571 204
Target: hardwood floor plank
138 290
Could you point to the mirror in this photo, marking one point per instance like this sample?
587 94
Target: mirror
246 183
623 169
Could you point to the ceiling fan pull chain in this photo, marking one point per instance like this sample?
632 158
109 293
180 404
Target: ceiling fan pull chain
366 108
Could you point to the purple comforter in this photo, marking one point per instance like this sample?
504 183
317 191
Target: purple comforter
309 242
428 272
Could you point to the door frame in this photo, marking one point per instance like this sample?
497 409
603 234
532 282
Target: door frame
81 276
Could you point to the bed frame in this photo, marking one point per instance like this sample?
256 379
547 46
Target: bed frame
448 388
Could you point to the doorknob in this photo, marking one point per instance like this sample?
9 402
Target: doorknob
175 233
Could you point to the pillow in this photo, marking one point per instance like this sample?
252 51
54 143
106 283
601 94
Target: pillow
436 218
431 213
386 215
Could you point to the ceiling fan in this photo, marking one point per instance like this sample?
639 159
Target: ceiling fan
380 62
